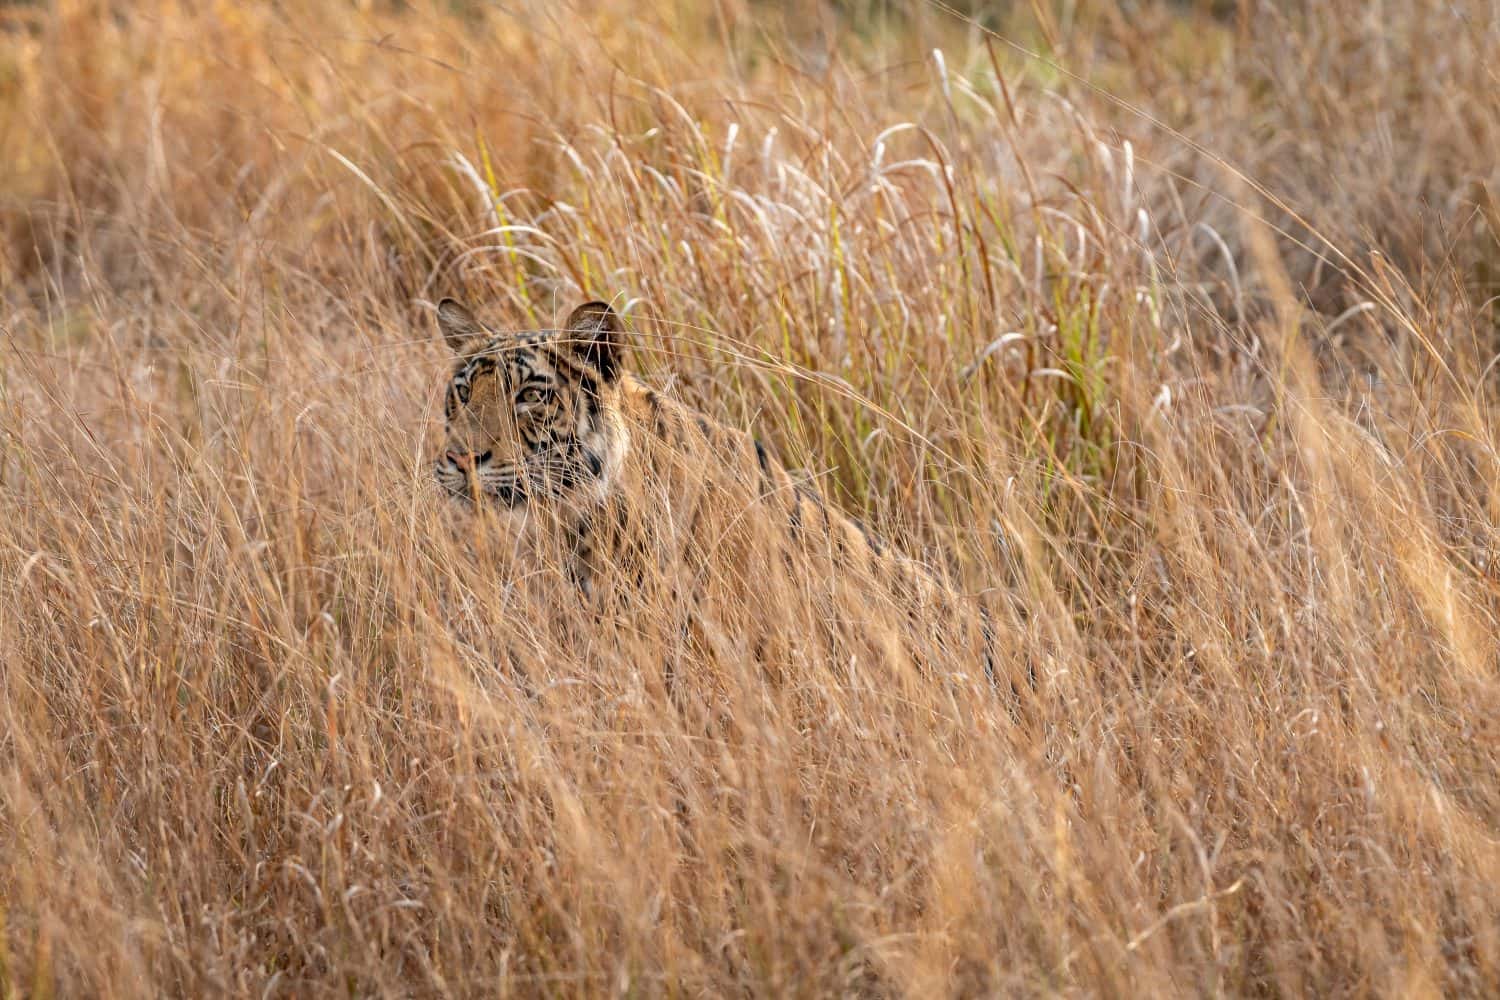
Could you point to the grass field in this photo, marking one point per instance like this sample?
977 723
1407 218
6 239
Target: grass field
1169 330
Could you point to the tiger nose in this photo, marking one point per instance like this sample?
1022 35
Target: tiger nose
459 459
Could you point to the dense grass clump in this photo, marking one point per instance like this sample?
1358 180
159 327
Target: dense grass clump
1166 330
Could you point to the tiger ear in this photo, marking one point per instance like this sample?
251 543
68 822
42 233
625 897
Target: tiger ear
460 329
598 337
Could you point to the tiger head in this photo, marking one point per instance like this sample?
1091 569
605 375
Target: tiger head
532 415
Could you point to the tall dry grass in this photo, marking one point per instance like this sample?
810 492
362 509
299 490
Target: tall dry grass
1166 328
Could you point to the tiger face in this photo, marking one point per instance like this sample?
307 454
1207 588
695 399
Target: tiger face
530 415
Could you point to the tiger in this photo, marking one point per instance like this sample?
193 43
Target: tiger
646 496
